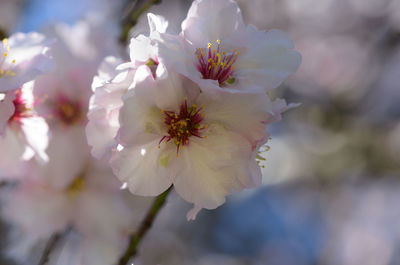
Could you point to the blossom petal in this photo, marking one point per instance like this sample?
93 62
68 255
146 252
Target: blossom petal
245 113
140 167
210 169
269 58
210 20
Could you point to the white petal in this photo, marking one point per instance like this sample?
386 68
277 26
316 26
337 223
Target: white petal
143 171
157 23
11 160
210 169
35 130
210 20
269 58
6 109
245 113
191 215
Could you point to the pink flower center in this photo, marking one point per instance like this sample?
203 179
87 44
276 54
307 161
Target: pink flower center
21 109
68 112
184 124
216 64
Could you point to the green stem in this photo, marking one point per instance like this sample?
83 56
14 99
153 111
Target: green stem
133 18
144 227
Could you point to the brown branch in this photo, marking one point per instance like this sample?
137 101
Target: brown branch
144 227
3 33
50 245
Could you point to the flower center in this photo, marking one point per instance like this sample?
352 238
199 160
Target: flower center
68 112
152 64
76 186
5 49
183 125
21 108
216 64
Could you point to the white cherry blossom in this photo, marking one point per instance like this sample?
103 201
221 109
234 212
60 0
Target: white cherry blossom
202 141
215 46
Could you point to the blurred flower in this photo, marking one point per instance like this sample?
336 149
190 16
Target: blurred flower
333 66
22 58
363 225
112 82
108 87
25 133
91 202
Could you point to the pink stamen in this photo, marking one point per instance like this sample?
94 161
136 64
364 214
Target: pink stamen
183 125
213 64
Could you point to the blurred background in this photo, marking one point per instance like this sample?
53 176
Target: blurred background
332 176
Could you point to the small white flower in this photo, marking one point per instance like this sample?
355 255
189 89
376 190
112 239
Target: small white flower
108 88
112 82
215 45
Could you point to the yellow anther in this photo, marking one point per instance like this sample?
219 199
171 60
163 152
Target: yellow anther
219 58
13 61
219 41
5 41
5 54
209 45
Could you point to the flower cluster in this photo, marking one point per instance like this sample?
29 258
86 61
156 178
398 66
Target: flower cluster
191 110
60 188
23 133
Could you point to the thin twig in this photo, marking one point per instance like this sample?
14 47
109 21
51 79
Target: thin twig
3 184
133 18
50 245
144 227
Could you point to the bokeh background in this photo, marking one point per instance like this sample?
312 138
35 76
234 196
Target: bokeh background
331 190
